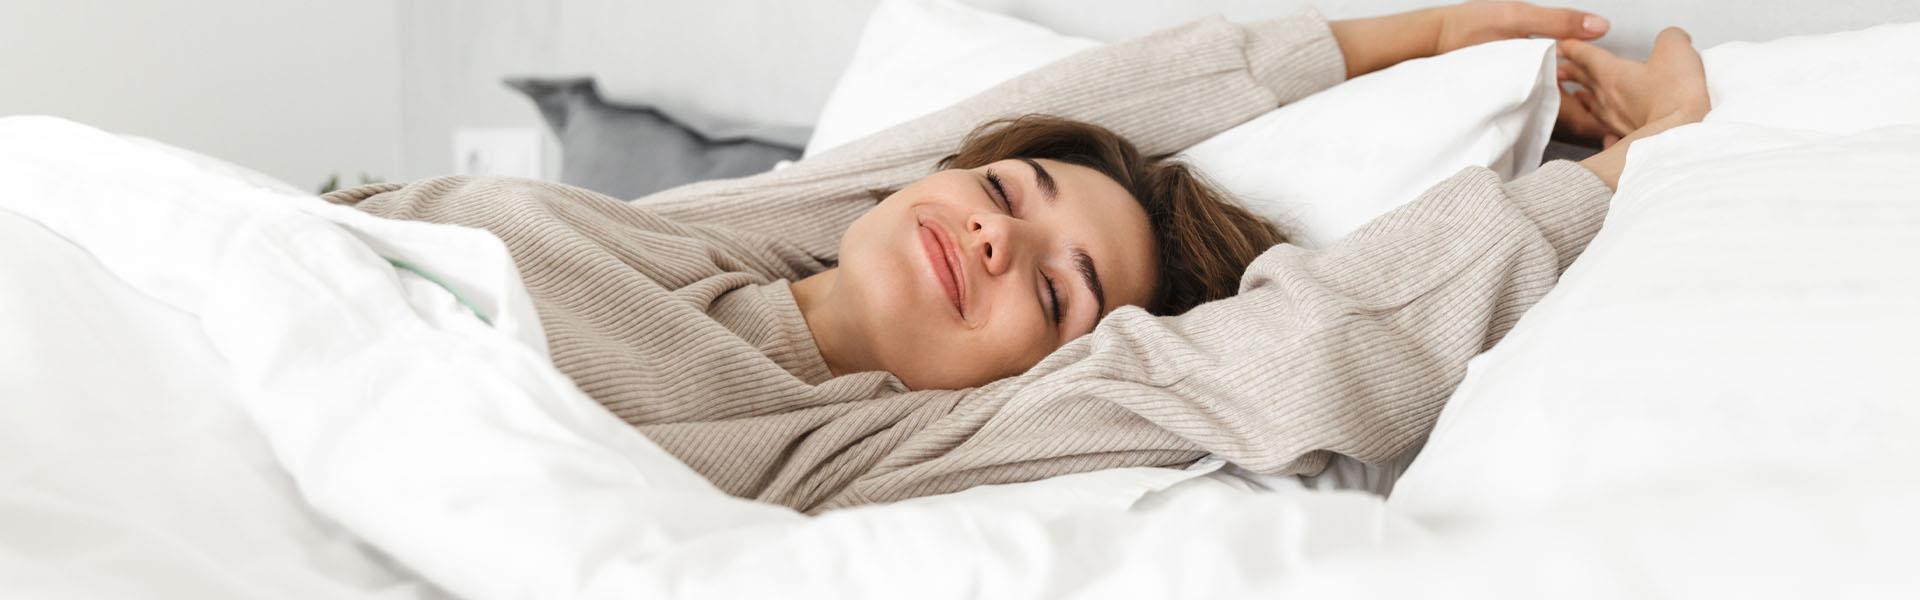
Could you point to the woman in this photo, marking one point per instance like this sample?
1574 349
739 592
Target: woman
796 342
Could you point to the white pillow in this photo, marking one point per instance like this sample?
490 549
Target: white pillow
218 167
1318 168
1327 164
1750 308
1836 83
919 56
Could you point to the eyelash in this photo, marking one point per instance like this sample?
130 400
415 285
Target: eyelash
1055 296
1000 191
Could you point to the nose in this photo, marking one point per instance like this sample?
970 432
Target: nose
992 237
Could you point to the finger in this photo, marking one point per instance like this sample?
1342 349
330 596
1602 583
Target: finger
1590 57
1610 118
1575 124
1564 74
1673 35
1558 23
1591 104
1587 99
1609 141
1673 43
1572 71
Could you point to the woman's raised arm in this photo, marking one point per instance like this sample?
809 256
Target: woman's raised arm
1350 350
1163 92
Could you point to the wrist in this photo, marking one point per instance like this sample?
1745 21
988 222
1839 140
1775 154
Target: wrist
1375 43
1685 115
1609 163
1663 123
1434 23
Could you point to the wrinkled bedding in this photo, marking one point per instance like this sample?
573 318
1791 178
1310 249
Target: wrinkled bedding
449 445
221 389
126 467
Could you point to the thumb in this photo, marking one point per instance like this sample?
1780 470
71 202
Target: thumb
1672 43
1675 47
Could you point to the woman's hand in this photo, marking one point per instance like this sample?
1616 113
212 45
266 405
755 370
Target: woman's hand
1376 43
1481 22
1625 96
1635 99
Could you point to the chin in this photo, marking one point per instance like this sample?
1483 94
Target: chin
907 322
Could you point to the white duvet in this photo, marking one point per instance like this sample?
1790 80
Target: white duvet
214 389
451 445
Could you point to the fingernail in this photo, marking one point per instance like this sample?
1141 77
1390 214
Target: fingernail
1594 23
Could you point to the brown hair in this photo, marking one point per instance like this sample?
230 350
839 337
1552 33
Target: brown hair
1204 241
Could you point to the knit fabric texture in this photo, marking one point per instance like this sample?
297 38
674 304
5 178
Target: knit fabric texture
674 310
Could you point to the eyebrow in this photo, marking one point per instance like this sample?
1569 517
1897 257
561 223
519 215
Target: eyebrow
1045 179
1083 262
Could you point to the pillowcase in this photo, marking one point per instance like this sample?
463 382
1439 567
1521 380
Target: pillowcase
1327 164
218 167
1836 83
1318 168
1748 310
919 56
632 151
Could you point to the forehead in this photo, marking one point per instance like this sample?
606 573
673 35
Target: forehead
1094 213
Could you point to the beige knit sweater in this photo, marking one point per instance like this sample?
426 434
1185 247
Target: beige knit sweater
675 312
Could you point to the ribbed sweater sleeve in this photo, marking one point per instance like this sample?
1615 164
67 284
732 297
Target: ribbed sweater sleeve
671 314
1164 92
1352 349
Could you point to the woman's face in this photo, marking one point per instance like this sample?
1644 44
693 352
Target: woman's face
953 282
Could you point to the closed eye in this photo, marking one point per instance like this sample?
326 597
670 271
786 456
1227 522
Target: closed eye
1050 305
1053 300
1000 192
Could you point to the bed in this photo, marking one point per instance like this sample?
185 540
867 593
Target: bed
218 386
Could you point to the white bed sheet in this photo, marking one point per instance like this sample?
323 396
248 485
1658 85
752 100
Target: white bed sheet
126 468
1718 400
455 448
219 347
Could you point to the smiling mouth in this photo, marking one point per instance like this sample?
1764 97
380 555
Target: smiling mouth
945 263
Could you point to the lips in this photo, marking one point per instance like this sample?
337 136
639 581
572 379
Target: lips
944 258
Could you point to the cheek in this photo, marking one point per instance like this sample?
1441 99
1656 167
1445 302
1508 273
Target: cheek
864 235
881 287
869 252
1012 343
934 355
1019 327
877 279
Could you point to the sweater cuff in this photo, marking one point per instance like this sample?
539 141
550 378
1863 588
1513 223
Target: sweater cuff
1567 201
1295 56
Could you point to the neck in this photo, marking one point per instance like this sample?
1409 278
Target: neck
833 331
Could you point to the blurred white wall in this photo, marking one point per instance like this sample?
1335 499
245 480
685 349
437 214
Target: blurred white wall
300 89
294 89
745 59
